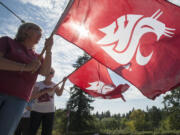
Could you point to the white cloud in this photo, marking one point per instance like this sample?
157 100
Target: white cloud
133 93
39 3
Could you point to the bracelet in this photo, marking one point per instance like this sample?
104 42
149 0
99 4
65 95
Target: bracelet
22 69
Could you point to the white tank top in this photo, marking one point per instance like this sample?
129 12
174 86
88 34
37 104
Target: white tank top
44 103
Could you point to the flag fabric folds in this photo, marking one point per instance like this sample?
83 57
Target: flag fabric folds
94 79
137 39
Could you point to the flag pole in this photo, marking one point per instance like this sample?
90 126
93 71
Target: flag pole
68 7
71 73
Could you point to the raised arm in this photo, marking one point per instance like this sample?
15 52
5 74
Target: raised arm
58 90
46 66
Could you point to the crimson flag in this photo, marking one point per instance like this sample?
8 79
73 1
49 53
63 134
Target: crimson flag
137 39
94 79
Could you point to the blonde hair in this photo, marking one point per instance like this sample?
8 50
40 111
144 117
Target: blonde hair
22 31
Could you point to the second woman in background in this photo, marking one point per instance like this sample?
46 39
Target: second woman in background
43 108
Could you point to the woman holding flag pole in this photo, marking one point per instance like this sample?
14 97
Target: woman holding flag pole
19 68
43 108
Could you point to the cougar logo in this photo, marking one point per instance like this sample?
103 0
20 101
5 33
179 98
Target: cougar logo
100 87
123 36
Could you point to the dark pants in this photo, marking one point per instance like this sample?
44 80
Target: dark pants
23 127
47 123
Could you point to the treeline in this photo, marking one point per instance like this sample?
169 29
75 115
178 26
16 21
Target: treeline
153 119
165 121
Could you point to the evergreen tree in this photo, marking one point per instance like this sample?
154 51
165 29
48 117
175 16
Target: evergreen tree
172 105
79 104
153 117
172 100
107 114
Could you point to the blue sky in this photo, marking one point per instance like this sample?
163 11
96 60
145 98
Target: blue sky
46 14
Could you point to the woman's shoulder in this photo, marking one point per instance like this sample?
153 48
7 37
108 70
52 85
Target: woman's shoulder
6 38
53 83
39 83
4 43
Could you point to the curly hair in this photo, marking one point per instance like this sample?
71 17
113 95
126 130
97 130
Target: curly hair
22 31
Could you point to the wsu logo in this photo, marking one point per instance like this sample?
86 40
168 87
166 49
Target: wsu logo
100 87
123 36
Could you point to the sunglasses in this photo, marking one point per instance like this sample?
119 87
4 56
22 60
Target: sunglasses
51 73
